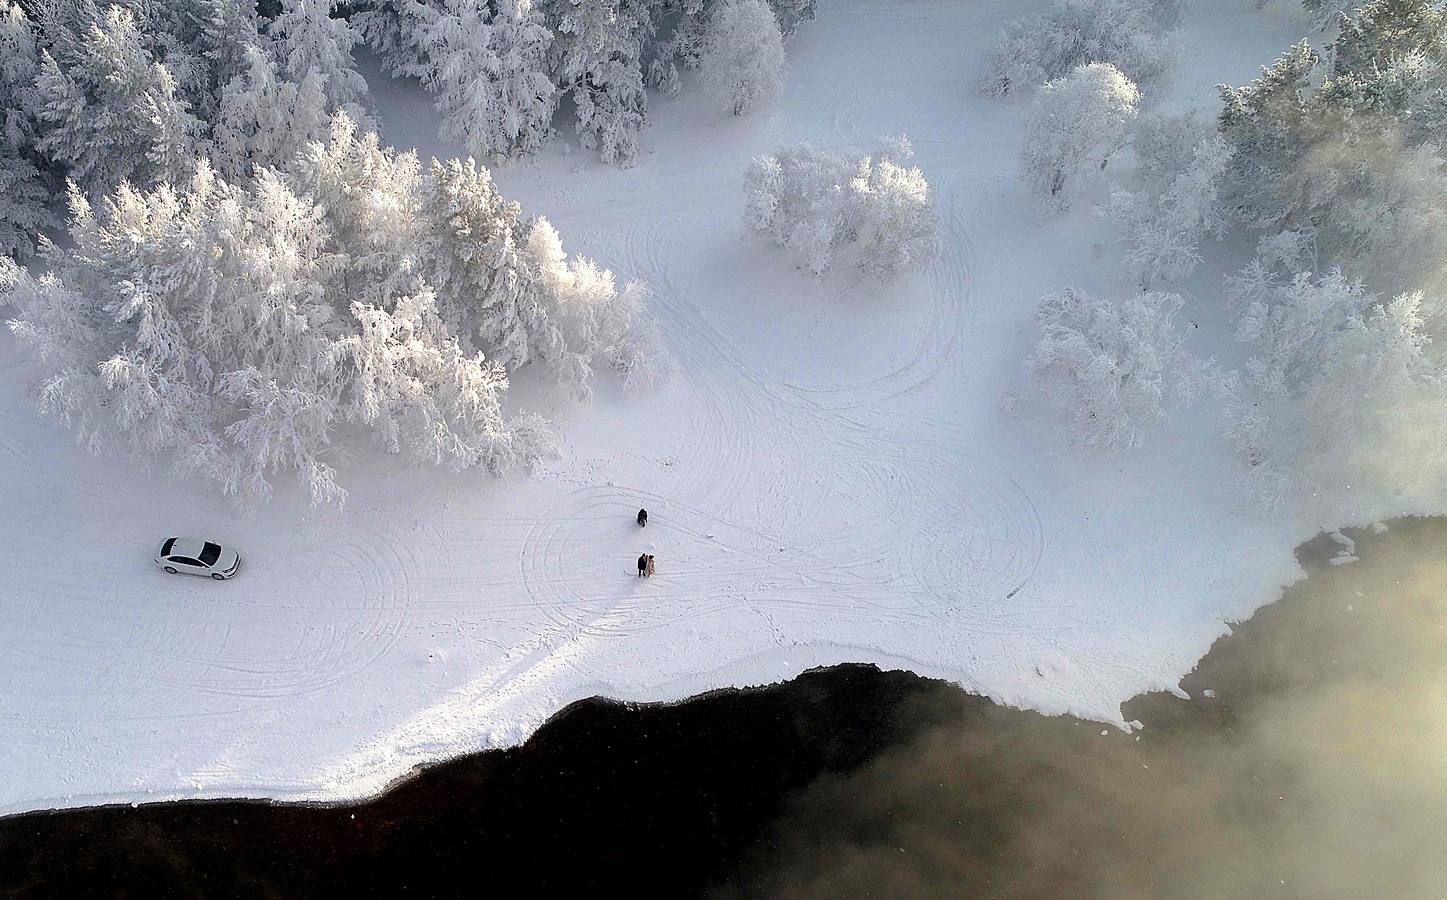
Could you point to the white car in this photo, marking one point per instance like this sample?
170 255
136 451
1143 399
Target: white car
194 557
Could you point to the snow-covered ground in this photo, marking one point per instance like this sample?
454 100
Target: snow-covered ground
828 478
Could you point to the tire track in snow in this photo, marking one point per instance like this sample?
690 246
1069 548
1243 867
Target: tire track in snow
948 317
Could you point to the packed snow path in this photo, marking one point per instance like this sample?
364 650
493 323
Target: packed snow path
828 479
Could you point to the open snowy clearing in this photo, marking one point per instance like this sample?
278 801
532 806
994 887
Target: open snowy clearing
828 478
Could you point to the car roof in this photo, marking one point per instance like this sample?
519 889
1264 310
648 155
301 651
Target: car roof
187 547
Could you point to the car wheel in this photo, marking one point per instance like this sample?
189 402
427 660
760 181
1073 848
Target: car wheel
218 576
171 570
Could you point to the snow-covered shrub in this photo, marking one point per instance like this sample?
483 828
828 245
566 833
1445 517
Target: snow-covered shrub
488 70
1162 227
1110 367
813 202
1074 126
743 59
1073 33
890 213
597 323
233 332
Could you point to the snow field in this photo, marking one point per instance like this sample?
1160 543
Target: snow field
828 477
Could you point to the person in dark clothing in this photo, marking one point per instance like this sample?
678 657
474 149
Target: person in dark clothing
642 565
642 518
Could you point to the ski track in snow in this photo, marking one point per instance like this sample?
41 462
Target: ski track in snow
821 490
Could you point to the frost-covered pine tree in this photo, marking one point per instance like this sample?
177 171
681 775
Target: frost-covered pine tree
743 60
792 13
370 195
597 59
1074 126
1386 31
203 43
489 73
264 120
1110 368
1162 230
25 192
1264 124
469 239
215 329
395 30
505 286
109 112
309 39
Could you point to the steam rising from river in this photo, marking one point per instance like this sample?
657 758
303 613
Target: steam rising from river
1318 768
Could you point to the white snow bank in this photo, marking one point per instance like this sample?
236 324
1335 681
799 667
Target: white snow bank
827 479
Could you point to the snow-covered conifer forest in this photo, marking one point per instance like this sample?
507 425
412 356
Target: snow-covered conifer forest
1016 344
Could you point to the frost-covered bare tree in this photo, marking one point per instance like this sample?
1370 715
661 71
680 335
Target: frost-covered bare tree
487 66
1288 320
815 202
1110 367
743 59
1074 126
234 332
1376 414
1071 33
1340 395
1162 222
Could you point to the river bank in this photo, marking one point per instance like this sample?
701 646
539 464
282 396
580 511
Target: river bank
1300 758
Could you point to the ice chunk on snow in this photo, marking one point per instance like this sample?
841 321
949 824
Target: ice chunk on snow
1343 540
1379 527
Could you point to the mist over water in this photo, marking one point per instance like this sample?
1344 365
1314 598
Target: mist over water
1317 769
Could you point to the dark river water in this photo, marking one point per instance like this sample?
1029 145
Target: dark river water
1310 761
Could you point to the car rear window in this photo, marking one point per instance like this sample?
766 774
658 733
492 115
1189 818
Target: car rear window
210 553
166 547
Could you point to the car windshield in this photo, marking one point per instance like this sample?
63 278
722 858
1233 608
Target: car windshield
210 553
166 547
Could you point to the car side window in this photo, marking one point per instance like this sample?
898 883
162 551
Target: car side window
185 561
